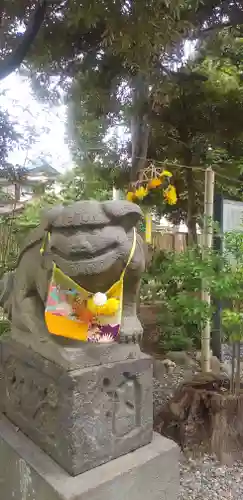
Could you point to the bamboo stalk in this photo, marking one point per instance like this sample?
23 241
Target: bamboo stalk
116 194
207 244
148 227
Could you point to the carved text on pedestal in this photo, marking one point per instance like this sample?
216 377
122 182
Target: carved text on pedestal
120 405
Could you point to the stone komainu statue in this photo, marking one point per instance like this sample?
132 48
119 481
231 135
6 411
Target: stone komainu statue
91 245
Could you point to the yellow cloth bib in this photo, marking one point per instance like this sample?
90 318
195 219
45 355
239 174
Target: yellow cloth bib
75 313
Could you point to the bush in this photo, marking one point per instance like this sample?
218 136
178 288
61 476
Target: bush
174 341
4 326
175 280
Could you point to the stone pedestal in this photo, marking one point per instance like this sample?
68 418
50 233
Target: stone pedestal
81 416
27 473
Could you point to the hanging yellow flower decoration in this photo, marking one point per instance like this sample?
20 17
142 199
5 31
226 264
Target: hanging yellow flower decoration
166 173
150 180
154 183
141 192
170 195
130 196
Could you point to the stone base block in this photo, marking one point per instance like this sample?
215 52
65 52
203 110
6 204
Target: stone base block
27 473
81 418
68 354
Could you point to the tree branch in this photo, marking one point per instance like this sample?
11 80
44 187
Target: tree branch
13 61
216 27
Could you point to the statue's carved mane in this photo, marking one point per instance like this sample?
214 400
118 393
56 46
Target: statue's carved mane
75 216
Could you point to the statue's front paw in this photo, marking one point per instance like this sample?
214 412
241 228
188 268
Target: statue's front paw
131 330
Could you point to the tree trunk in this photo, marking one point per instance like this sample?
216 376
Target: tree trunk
237 379
232 379
13 61
139 126
190 184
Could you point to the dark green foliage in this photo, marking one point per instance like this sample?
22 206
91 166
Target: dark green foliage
175 281
195 118
11 57
4 326
9 138
114 58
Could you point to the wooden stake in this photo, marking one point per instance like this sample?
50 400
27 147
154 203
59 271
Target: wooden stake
148 227
207 244
116 194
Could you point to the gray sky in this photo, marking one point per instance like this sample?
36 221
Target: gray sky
16 97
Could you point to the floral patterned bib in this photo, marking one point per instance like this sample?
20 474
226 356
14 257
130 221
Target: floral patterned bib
75 313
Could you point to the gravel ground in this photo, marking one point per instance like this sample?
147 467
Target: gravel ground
227 352
204 478
164 390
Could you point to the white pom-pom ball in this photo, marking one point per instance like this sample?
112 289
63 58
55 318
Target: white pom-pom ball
100 299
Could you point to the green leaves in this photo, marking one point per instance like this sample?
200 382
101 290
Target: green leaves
232 322
175 280
9 137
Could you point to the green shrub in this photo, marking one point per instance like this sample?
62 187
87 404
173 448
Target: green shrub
4 326
175 281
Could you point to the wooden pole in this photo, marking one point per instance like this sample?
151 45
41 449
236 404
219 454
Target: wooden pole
116 194
207 244
148 227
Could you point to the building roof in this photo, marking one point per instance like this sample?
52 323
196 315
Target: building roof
44 169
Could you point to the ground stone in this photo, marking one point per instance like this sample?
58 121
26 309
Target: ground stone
161 367
181 358
215 365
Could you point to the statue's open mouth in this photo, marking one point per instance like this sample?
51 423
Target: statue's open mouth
82 255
